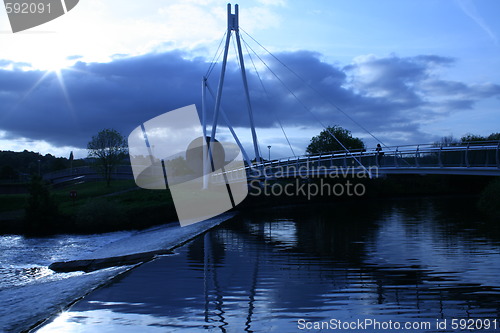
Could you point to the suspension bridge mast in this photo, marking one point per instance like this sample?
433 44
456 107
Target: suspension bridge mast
233 26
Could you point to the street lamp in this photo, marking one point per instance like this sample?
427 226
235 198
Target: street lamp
269 147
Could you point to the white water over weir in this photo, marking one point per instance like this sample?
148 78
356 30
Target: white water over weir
29 301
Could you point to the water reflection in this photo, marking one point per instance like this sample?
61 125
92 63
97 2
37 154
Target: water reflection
406 260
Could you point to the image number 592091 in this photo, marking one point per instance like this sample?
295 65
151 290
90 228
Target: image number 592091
26 14
27 7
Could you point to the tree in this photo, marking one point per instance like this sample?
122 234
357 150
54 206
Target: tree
178 166
41 211
109 148
447 141
324 142
471 138
493 137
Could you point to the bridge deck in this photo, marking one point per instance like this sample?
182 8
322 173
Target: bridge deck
479 159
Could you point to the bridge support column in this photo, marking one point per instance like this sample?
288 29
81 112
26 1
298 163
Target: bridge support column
233 25
440 161
417 156
228 123
467 164
498 155
204 126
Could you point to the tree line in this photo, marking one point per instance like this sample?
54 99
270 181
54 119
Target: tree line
447 141
21 165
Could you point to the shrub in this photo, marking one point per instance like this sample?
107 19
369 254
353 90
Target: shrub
41 212
489 200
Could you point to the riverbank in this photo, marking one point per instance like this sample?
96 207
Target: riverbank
88 208
96 208
25 306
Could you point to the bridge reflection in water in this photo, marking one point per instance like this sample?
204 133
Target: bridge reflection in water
406 260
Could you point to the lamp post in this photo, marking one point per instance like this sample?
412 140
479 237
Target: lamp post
269 147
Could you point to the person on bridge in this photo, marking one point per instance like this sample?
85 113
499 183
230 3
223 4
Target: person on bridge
379 155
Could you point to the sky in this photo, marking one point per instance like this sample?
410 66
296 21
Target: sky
390 71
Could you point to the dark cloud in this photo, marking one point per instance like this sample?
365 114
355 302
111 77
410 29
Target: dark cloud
121 94
17 81
389 96
395 79
453 89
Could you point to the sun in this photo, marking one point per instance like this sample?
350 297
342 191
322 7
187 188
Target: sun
52 67
55 65
51 61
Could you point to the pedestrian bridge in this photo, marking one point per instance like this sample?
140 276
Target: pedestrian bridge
474 158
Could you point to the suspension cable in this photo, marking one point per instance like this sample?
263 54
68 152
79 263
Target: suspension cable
315 90
239 66
267 95
309 110
216 57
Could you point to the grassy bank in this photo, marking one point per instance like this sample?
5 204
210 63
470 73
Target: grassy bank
96 208
11 202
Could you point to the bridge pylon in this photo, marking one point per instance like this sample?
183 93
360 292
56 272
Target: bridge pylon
232 26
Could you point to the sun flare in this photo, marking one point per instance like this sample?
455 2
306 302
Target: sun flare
52 64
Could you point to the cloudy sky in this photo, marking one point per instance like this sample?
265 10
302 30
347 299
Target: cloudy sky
405 71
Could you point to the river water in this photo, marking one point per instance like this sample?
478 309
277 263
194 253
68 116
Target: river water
422 262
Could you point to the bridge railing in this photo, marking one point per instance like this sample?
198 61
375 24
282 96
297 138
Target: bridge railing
478 154
472 154
118 171
464 155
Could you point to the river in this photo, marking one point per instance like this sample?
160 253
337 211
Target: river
431 263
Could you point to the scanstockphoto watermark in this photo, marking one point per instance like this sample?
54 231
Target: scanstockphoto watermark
311 181
370 324
364 324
